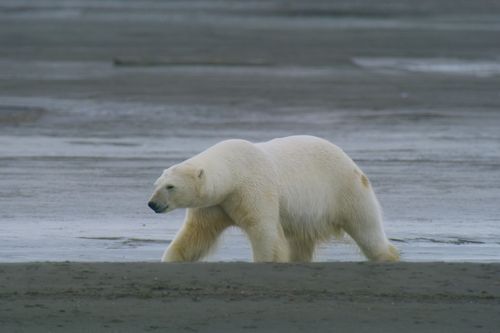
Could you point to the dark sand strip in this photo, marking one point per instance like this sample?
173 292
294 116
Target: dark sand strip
234 297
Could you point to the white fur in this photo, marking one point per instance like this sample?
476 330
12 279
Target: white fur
287 194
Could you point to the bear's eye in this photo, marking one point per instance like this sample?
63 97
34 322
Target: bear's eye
169 187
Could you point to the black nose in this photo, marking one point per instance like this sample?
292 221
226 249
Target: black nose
153 205
156 207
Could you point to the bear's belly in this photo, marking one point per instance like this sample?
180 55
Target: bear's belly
310 218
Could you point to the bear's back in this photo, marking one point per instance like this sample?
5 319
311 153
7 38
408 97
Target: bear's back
311 173
304 153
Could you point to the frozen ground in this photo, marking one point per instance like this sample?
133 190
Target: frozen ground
97 98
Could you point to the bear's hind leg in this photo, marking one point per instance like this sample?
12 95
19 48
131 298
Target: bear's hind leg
367 231
198 235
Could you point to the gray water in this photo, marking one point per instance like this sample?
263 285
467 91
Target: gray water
97 98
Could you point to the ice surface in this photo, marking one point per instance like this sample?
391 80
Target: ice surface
409 92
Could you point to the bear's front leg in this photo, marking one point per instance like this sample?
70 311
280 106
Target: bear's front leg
257 213
198 235
268 242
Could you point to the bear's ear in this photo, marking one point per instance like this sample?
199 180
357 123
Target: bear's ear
200 173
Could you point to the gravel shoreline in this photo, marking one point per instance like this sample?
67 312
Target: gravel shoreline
241 297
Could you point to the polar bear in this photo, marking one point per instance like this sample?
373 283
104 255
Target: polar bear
287 194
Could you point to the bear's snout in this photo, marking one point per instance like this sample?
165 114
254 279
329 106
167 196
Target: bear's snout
156 207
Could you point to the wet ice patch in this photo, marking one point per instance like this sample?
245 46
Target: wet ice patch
16 115
54 70
476 68
129 242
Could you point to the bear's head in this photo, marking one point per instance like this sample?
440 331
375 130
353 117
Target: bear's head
179 186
